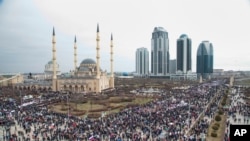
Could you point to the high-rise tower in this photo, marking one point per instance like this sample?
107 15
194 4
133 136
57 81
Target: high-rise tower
54 84
111 63
75 55
159 52
98 52
142 61
204 64
184 47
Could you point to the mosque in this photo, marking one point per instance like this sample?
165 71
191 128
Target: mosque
87 77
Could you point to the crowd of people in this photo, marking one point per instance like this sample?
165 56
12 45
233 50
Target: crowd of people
168 118
238 112
200 129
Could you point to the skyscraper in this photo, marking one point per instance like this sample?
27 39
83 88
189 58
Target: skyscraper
184 47
205 59
142 61
159 52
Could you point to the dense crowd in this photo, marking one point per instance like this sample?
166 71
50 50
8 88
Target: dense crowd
200 129
168 118
238 112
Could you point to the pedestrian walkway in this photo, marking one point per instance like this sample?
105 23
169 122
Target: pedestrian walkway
236 112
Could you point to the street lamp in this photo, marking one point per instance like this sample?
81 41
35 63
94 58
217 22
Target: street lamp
188 113
188 116
150 132
21 99
151 139
68 104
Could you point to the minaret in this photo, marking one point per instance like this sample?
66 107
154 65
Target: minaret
75 55
54 61
111 63
97 53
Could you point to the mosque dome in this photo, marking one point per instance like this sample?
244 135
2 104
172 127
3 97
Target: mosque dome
49 68
50 62
88 61
87 65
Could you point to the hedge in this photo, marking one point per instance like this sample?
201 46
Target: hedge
94 115
131 105
77 110
99 110
220 112
214 134
215 127
223 103
101 102
217 118
78 113
217 124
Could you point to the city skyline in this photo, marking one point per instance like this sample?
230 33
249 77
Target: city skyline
26 31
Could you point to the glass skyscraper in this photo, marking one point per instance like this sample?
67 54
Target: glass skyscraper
142 61
159 52
205 60
184 51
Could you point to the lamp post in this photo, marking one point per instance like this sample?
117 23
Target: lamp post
21 99
149 127
68 104
150 132
188 113
188 116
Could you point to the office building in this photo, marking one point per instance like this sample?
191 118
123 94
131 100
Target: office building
142 62
184 60
159 52
205 62
184 49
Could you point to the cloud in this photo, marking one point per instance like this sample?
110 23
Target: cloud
26 28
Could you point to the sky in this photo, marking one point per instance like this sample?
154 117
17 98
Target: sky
26 31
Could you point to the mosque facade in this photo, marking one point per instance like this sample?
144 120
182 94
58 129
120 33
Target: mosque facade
87 77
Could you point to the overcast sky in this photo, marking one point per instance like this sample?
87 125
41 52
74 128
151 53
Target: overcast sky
26 31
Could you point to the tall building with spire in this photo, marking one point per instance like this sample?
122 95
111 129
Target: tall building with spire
142 62
205 59
159 52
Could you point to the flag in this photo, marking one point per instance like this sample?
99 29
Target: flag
91 138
